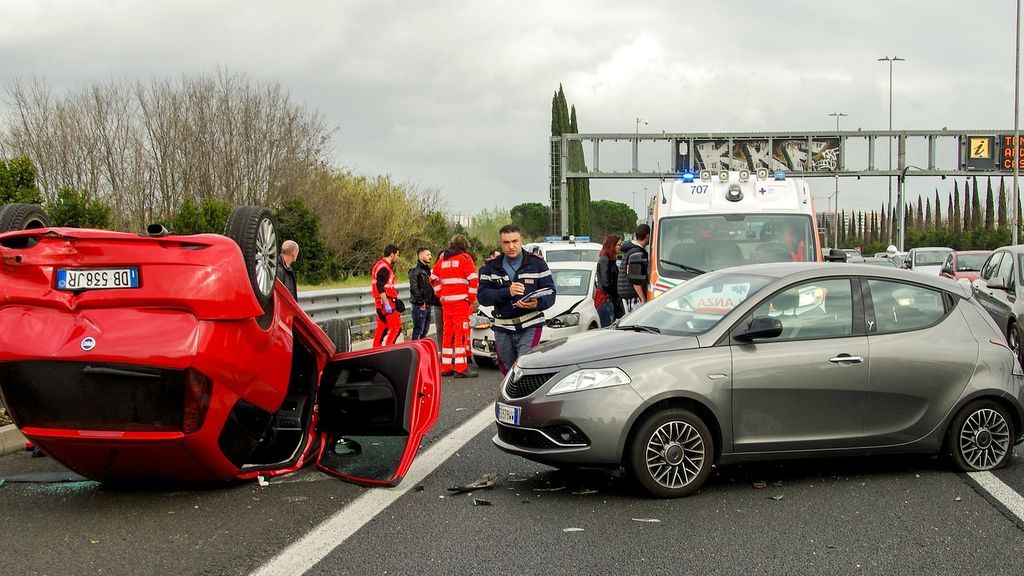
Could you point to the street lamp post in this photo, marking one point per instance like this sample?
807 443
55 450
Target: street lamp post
638 122
1016 132
835 222
900 204
890 60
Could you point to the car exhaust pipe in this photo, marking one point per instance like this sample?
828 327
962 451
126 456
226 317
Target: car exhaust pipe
156 230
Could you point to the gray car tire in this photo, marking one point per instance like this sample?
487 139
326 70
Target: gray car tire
254 231
340 332
671 453
22 217
981 437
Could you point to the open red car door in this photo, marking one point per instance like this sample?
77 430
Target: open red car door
374 408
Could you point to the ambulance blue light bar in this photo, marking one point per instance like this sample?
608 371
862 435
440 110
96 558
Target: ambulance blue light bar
688 176
780 175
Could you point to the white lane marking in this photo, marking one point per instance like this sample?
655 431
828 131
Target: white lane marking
1005 495
304 553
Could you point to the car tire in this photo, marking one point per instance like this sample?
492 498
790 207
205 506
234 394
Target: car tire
981 437
340 332
1013 339
671 453
254 231
22 217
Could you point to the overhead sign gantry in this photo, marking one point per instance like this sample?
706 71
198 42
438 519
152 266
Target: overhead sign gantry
802 154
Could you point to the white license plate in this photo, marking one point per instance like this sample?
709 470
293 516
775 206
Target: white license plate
97 278
507 414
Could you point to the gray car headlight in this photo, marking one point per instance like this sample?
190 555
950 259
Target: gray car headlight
572 319
589 379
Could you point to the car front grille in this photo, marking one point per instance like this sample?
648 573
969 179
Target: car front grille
524 438
88 396
526 384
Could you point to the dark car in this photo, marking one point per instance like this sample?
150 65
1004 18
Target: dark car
771 361
998 289
181 357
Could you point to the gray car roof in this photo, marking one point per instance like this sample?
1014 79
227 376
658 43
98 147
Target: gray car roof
799 270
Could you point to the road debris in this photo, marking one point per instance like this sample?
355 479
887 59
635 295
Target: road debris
584 492
572 529
486 481
554 489
481 502
648 520
776 497
262 481
760 484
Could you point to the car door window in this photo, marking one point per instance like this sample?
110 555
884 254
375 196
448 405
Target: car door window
1006 271
899 307
991 266
819 309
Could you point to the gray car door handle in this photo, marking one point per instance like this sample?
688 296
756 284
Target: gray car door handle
846 358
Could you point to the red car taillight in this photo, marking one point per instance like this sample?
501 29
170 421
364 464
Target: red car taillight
198 389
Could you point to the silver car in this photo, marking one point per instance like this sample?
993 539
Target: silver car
771 361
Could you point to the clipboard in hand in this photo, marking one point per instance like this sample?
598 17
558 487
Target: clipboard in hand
538 293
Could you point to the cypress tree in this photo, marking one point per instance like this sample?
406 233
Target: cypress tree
955 222
990 207
967 206
884 231
1001 221
927 214
919 219
949 212
580 194
938 211
976 215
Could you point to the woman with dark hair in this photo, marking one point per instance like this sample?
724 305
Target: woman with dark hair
606 295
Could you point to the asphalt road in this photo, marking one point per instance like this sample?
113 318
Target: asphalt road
866 515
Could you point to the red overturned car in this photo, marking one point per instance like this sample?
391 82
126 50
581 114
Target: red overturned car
158 356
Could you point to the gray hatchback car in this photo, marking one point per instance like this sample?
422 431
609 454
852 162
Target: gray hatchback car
769 361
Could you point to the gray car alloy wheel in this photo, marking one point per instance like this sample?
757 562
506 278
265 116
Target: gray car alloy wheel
266 256
670 453
984 439
675 454
1013 339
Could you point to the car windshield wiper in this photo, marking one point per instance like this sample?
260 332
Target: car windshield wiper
640 328
684 267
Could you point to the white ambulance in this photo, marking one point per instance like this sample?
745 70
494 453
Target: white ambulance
709 221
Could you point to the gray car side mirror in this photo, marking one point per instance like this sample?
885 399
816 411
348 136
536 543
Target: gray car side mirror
759 327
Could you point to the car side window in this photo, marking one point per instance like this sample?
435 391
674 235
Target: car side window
991 266
900 307
1006 270
819 309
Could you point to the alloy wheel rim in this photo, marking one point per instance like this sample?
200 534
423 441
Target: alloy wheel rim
984 439
1015 340
266 256
675 454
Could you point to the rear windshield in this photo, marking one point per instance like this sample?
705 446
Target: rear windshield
930 257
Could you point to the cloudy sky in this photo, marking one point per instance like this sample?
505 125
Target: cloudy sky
456 95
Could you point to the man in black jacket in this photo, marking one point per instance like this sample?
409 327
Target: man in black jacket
633 278
423 297
289 252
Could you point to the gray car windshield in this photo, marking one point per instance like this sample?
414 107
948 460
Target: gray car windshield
571 282
930 257
696 306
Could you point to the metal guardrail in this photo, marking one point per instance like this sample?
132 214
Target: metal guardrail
352 304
